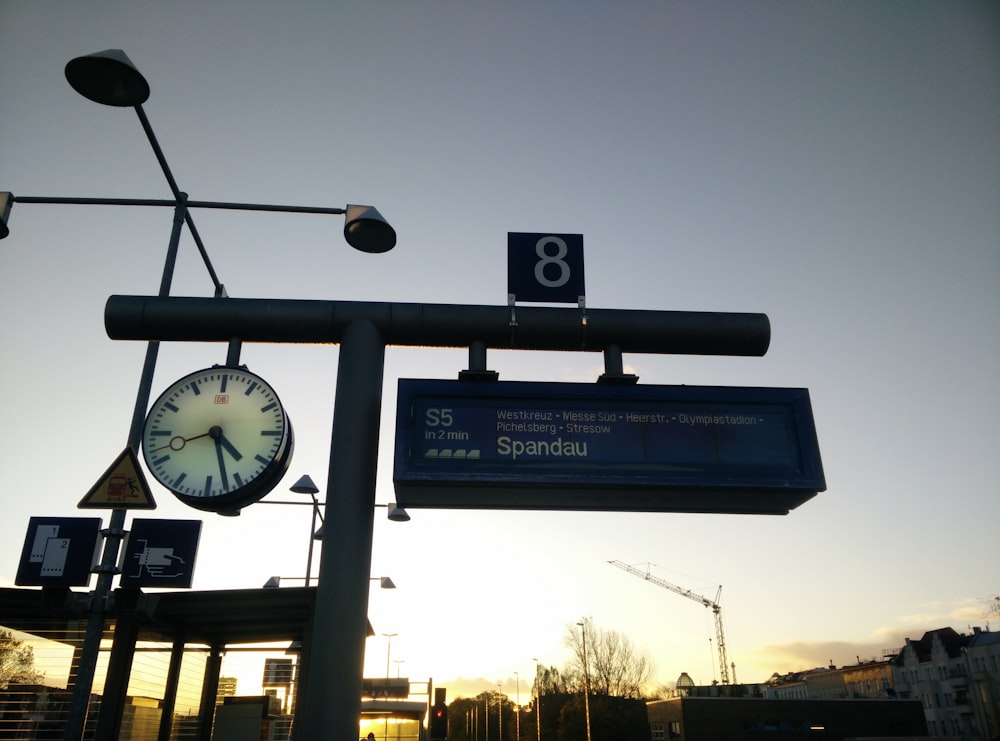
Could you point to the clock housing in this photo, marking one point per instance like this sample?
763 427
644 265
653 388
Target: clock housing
218 438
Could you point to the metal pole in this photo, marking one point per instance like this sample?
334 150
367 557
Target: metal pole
331 705
517 716
312 537
586 677
187 319
538 700
76 718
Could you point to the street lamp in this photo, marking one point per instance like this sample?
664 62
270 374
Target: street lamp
538 702
305 485
586 676
517 716
275 581
394 512
388 650
110 78
500 711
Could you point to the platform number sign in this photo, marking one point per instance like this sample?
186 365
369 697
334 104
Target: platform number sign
545 267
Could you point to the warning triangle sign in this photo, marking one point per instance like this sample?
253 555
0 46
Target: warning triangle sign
123 486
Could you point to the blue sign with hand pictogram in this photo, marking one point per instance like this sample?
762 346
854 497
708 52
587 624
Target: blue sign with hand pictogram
545 267
160 553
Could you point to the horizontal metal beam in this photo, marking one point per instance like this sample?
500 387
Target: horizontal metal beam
437 325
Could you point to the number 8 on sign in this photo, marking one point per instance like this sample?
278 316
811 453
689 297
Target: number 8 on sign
545 267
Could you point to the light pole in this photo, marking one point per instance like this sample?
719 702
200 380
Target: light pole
500 711
538 701
517 708
397 662
110 78
305 485
388 649
586 676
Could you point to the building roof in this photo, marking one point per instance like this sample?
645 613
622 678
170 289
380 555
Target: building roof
983 638
218 617
952 641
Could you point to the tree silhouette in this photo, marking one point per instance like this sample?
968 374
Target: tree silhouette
614 667
17 661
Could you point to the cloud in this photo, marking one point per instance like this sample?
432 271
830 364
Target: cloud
801 655
884 640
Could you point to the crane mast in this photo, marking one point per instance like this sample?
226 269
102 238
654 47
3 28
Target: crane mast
720 636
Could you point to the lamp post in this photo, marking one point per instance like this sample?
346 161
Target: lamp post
110 78
305 485
517 707
538 702
586 676
500 711
388 648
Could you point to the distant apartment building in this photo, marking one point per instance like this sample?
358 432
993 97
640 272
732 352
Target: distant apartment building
791 686
955 678
983 657
227 688
826 684
935 671
869 679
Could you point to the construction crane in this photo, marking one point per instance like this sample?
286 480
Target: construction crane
720 636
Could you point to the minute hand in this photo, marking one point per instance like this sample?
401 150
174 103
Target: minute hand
222 463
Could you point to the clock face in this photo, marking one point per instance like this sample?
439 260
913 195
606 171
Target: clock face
218 438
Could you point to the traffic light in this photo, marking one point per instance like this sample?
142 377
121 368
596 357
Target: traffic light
439 721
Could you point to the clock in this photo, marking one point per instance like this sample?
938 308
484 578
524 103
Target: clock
219 439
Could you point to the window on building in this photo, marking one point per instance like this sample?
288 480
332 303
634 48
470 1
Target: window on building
657 731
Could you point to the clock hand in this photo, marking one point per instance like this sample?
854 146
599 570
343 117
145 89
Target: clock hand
230 448
178 442
222 461
222 440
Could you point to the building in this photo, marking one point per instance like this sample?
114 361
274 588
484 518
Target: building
982 656
934 671
869 679
733 719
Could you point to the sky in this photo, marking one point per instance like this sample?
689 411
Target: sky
835 166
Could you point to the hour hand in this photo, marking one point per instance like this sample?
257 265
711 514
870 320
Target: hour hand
224 442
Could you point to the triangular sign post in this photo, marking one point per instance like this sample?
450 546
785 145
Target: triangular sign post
123 486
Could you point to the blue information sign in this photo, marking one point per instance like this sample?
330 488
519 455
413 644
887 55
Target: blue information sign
545 267
59 552
587 446
160 553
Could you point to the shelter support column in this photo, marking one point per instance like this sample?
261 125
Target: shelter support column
330 705
170 690
209 693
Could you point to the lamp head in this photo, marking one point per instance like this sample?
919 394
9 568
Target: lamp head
397 513
6 201
304 485
366 230
109 78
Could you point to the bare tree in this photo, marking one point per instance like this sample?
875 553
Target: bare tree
614 666
17 661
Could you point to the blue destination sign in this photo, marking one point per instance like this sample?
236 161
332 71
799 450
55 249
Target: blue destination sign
513 445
